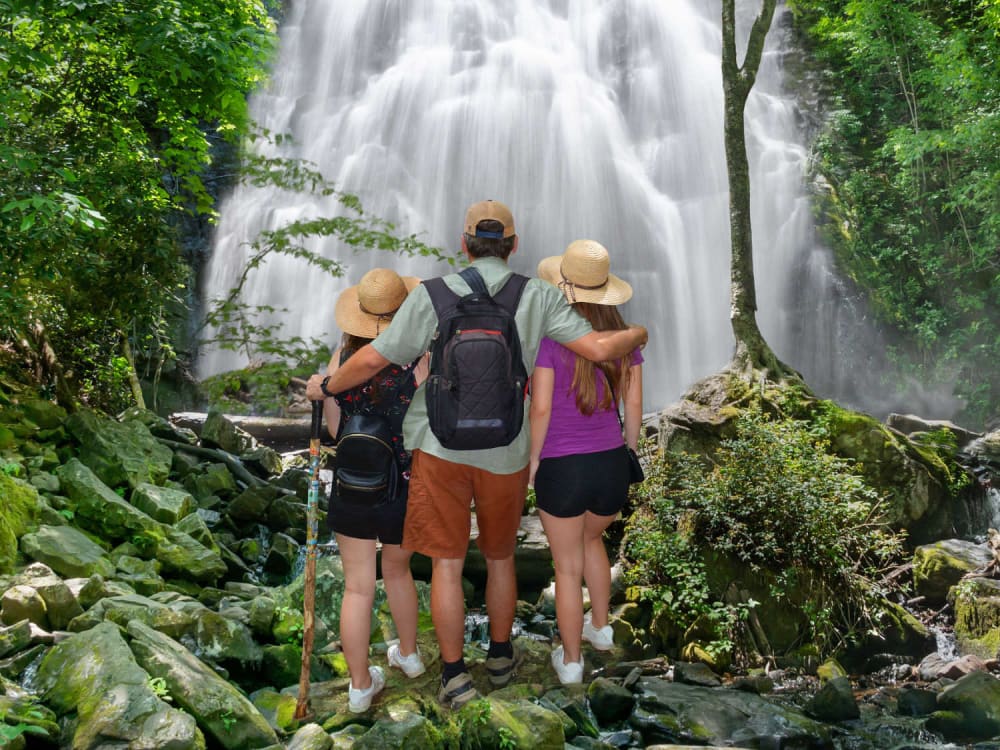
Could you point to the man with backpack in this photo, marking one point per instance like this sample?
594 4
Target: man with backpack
465 425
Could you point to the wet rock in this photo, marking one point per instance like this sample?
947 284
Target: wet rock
830 669
759 683
914 701
223 640
673 713
977 698
834 702
219 707
94 676
609 701
571 703
957 668
695 673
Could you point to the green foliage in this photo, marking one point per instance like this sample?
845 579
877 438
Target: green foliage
272 354
108 116
159 687
228 720
776 503
911 153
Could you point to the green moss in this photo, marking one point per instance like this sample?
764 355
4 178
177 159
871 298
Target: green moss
18 508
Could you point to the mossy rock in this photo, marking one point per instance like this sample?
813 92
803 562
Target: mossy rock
18 509
940 565
977 616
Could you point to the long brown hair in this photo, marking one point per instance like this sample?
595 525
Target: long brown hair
601 318
349 345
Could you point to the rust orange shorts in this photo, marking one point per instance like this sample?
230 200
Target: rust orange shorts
438 512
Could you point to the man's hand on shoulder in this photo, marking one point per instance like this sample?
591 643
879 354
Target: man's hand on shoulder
644 334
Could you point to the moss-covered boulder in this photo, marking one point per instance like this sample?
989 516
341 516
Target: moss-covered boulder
918 482
101 510
67 551
405 729
219 707
93 677
940 565
163 504
120 453
219 432
977 616
675 714
493 722
976 698
18 508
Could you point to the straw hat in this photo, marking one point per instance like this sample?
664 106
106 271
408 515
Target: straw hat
366 310
581 273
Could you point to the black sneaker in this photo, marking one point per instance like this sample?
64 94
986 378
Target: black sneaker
457 691
501 669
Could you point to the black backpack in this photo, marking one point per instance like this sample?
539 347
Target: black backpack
366 467
475 390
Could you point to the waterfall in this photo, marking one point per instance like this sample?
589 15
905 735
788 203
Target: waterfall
593 119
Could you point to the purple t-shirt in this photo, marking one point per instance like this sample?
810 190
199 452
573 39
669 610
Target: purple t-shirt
571 432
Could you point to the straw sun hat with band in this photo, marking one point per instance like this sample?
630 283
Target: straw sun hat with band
366 310
582 274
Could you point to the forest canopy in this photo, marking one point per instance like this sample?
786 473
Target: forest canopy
108 115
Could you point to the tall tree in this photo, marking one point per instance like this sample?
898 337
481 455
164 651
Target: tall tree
752 351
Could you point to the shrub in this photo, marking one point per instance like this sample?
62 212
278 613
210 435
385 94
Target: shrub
776 502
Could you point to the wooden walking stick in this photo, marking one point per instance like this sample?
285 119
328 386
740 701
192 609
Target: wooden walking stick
309 592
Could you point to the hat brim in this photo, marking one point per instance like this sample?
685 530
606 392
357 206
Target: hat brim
351 319
615 292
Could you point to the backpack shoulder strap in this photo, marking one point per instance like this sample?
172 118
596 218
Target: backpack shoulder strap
509 295
442 297
472 277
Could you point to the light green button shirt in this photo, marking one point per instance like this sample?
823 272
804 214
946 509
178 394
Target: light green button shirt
543 311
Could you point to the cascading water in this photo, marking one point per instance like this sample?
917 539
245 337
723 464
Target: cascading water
589 118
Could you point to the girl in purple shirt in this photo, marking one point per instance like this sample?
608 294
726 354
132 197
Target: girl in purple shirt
579 466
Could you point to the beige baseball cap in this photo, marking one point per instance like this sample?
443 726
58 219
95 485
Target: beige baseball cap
494 210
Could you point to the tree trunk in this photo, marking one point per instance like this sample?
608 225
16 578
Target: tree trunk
752 351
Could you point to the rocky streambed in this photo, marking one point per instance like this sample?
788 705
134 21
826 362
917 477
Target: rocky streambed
149 599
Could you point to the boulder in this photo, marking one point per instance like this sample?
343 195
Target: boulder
221 639
609 701
277 708
219 432
23 603
310 737
61 604
523 722
120 453
976 698
15 638
18 509
940 565
163 504
102 510
219 707
672 713
94 676
834 702
67 551
977 616
125 608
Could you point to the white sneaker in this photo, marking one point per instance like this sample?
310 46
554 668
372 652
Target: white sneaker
360 700
412 665
569 674
603 639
